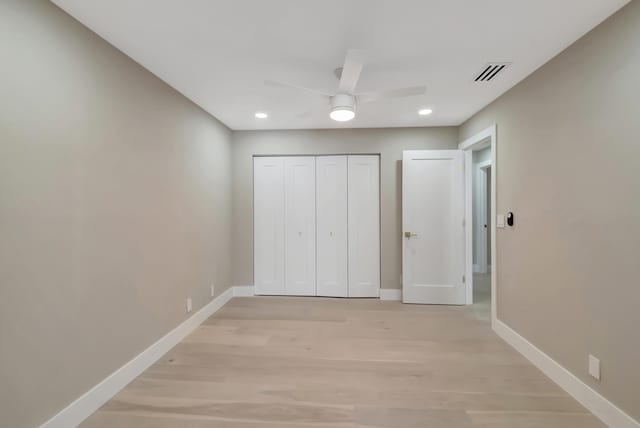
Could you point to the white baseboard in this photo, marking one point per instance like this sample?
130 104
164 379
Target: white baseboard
243 291
92 400
390 294
248 290
608 412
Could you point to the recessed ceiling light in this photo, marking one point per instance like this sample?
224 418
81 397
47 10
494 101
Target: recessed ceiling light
425 112
261 115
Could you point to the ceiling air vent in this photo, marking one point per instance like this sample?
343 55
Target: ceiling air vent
491 70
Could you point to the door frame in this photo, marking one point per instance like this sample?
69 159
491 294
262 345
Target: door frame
481 140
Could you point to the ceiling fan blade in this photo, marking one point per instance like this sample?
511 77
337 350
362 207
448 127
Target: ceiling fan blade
351 70
390 94
291 86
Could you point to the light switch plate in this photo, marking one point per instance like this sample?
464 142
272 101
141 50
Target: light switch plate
594 367
189 304
212 291
500 221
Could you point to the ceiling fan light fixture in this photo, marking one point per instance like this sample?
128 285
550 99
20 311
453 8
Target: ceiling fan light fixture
343 103
342 114
343 107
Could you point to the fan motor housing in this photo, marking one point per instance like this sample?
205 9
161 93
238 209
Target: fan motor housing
343 100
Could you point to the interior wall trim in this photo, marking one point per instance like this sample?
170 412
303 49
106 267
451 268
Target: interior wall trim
481 140
92 400
602 408
243 291
390 294
385 293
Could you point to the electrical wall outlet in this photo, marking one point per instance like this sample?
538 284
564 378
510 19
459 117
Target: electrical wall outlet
212 290
189 304
594 367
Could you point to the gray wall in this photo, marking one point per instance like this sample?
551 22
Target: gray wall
388 142
569 168
115 205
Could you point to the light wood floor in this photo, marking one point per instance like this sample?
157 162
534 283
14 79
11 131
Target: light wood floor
328 363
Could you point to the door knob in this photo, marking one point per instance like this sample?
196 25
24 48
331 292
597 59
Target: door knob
408 235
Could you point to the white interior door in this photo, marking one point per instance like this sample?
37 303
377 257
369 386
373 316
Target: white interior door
331 226
364 225
268 202
433 207
300 225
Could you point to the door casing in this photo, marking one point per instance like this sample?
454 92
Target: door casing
485 138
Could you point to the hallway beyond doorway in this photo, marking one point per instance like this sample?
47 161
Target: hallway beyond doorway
482 296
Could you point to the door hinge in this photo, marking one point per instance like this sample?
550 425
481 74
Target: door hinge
464 279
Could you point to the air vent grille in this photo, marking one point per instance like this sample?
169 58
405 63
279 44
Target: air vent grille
490 71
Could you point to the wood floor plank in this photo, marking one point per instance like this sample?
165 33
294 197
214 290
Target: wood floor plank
285 362
533 420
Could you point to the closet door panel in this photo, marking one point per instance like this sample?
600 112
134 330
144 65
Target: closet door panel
268 228
300 226
331 226
364 226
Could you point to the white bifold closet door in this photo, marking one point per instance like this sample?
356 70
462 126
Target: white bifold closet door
300 225
364 225
317 225
268 225
331 226
284 225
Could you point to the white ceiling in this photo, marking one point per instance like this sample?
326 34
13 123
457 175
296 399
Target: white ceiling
219 52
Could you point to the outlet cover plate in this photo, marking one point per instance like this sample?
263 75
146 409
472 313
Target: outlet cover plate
594 367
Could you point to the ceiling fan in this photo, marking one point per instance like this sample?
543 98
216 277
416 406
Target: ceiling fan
343 102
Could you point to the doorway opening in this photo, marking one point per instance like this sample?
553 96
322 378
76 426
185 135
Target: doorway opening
481 223
480 191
